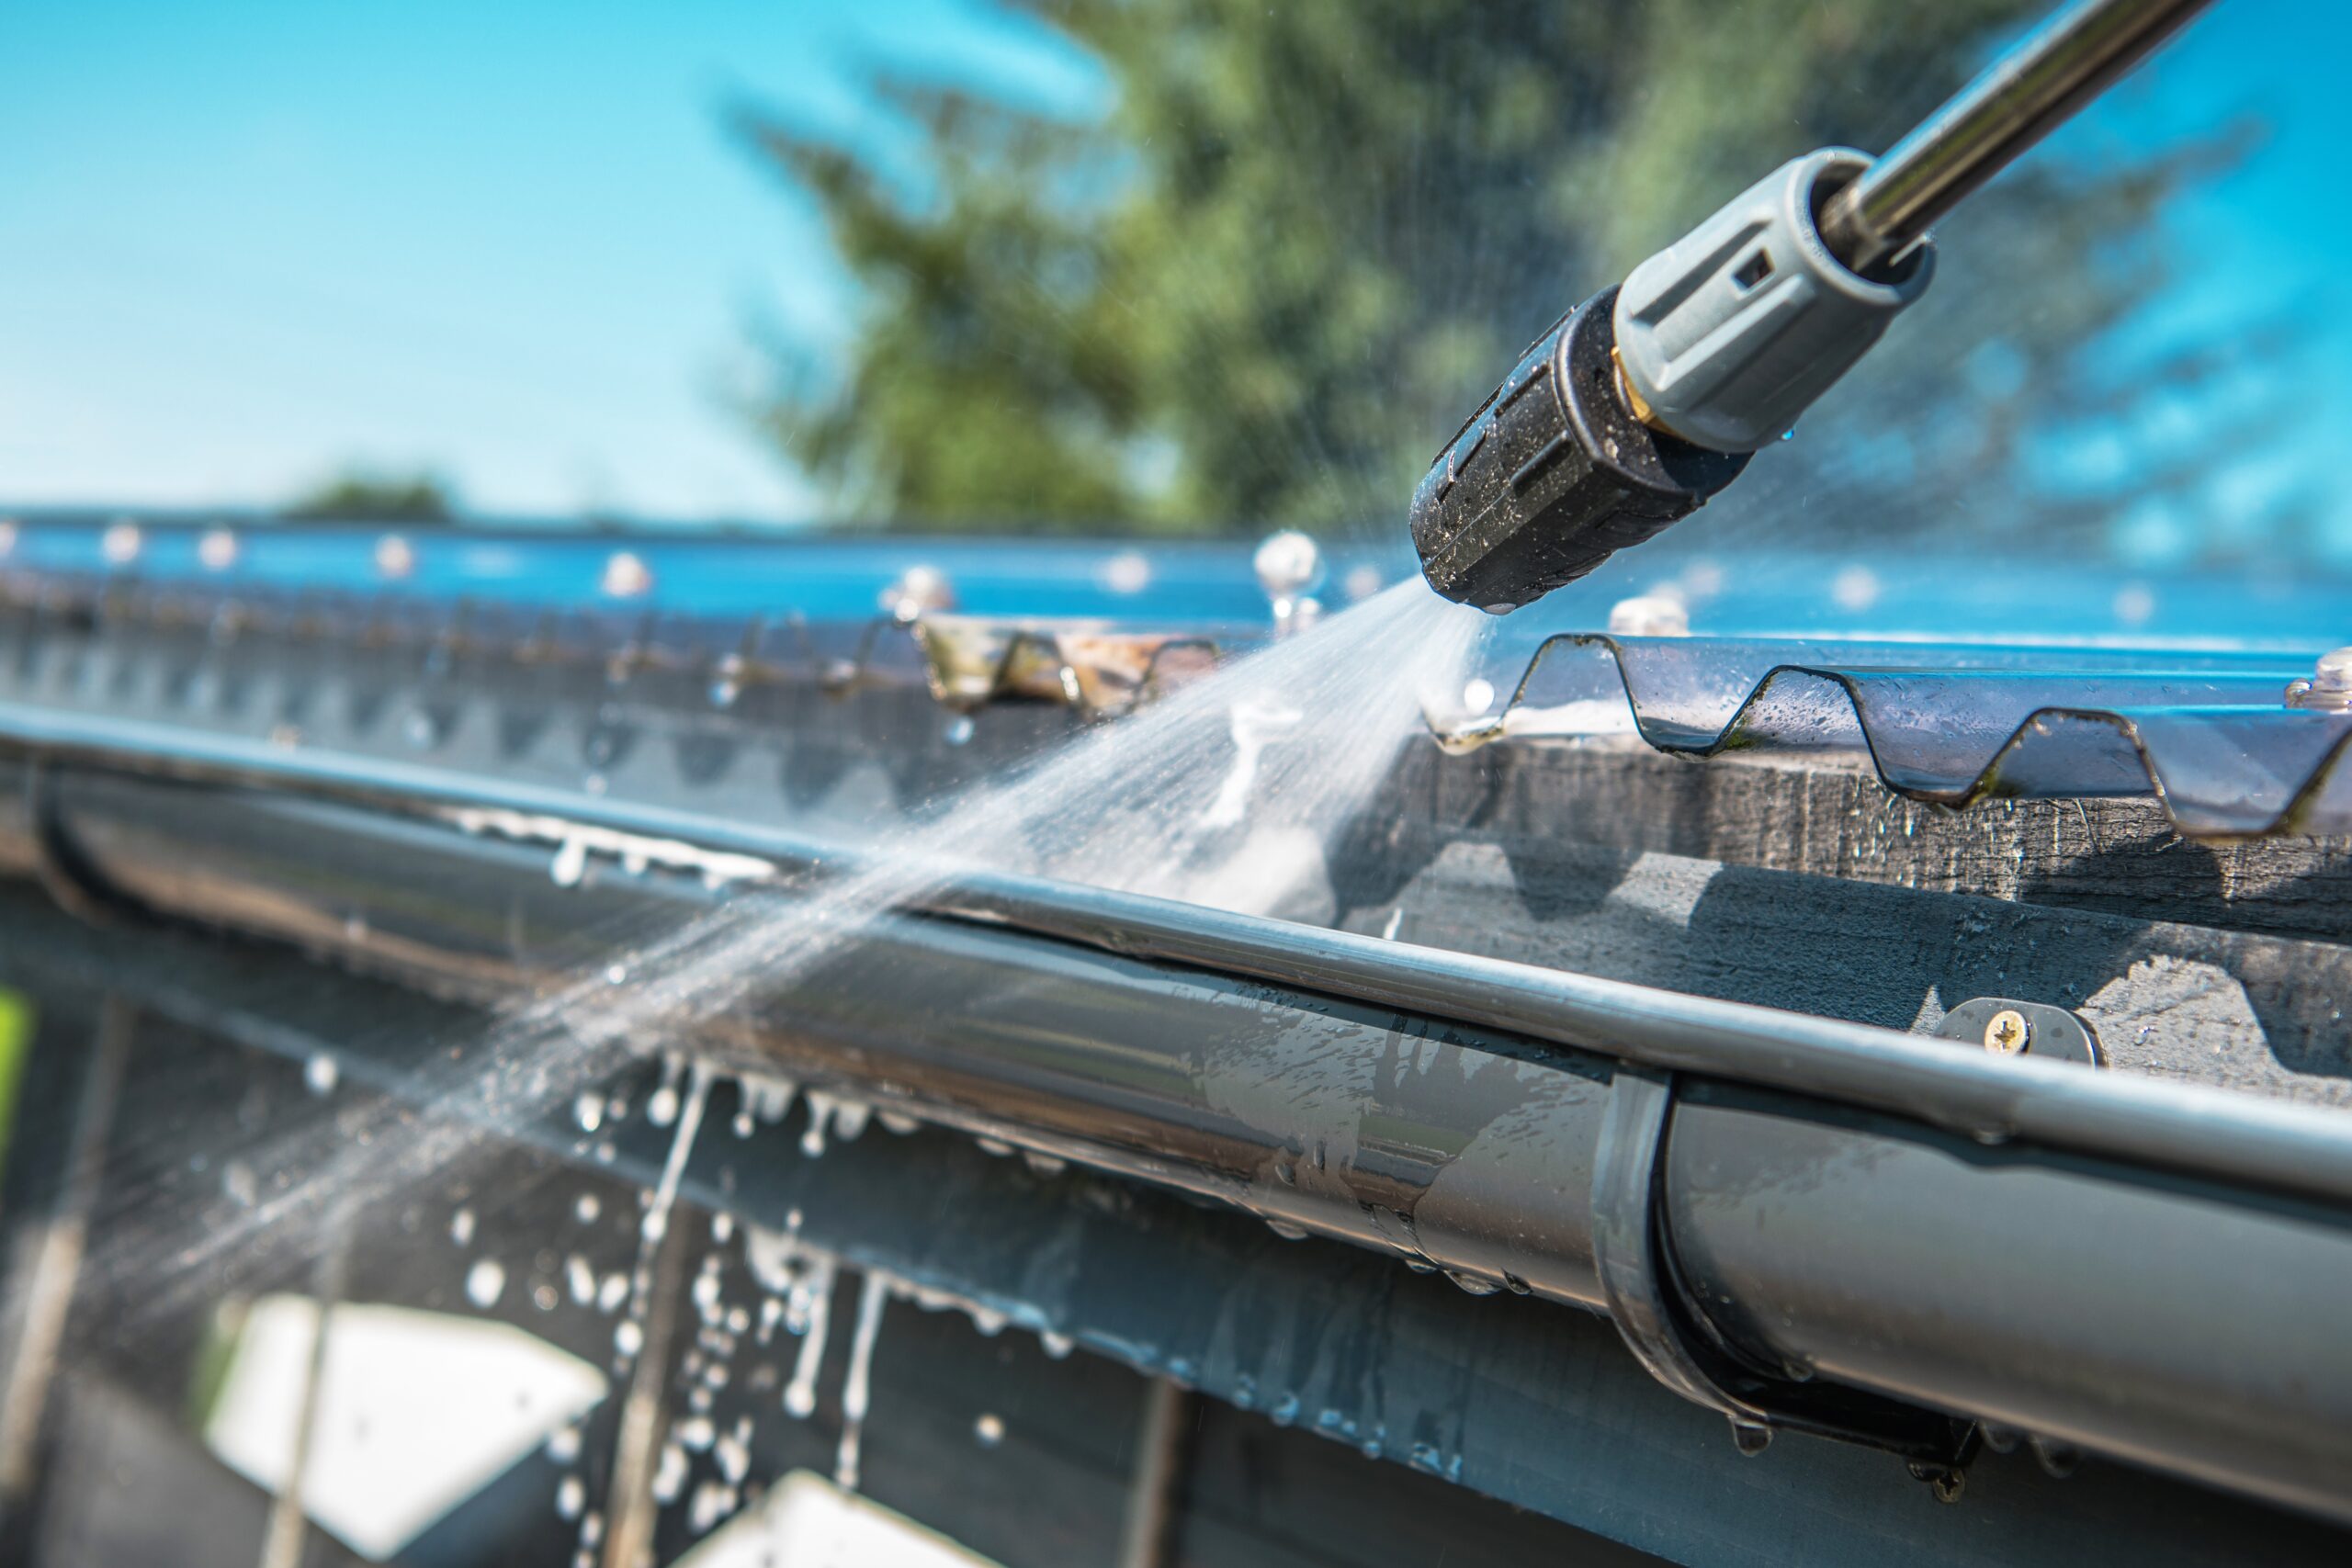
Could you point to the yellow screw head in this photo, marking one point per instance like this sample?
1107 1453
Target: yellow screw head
2006 1032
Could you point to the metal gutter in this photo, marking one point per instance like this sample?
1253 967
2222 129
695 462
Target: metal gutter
2133 1268
2291 1149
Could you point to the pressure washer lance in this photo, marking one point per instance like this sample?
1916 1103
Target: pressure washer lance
1647 398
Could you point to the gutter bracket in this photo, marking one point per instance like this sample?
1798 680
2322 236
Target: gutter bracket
1677 1343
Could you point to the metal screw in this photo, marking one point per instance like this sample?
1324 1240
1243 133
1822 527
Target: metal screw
1942 1479
2006 1032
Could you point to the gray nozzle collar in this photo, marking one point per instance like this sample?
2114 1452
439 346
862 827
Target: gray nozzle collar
1732 331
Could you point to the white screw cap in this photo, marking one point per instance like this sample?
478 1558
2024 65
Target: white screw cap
918 591
1650 614
1288 564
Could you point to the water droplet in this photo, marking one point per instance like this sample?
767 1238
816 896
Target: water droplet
670 1474
988 1430
564 1444
461 1227
820 1111
589 1112
587 1209
571 1497
712 1502
629 1336
857 1387
485 1282
814 1297
959 729
320 1074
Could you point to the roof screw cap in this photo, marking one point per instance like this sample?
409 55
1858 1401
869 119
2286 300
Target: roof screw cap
918 591
1650 614
2329 686
1289 565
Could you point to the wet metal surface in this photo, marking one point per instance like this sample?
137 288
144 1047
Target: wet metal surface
1445 1111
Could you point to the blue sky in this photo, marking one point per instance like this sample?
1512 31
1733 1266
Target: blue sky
244 243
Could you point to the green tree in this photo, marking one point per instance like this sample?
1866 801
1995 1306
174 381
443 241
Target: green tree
1309 236
363 495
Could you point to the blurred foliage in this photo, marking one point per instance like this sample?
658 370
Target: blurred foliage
1308 237
15 1044
362 495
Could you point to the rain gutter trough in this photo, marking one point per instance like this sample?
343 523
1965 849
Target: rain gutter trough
1804 1224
